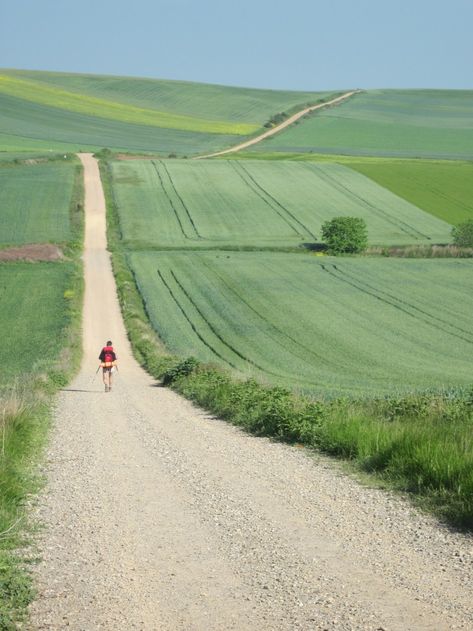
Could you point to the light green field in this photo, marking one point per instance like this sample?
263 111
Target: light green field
323 325
35 202
34 313
54 111
408 123
443 188
206 203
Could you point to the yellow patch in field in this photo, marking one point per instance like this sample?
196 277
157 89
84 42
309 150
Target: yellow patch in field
37 92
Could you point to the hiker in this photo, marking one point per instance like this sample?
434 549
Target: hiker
108 361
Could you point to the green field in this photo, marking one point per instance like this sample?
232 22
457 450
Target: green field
254 204
353 326
35 202
406 123
55 111
36 293
440 188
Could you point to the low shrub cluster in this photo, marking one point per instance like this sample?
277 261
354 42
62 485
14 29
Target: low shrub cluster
463 234
422 251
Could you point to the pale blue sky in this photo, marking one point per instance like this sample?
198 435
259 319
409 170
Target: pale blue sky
299 44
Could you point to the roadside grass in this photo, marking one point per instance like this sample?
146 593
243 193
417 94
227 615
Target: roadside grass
418 443
38 357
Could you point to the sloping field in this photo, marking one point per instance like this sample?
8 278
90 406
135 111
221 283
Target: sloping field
406 123
444 189
29 126
70 112
35 202
197 100
202 203
330 326
36 291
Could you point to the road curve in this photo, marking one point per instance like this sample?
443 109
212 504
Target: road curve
275 130
160 517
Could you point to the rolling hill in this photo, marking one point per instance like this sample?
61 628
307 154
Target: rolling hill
403 123
66 112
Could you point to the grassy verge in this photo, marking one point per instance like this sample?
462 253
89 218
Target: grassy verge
25 417
421 252
418 443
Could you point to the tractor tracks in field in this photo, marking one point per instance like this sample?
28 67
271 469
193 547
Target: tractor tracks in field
286 215
398 303
170 191
299 349
348 192
211 327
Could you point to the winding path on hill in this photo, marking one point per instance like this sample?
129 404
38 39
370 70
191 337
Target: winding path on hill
277 128
160 517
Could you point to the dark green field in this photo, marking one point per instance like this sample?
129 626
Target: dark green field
444 189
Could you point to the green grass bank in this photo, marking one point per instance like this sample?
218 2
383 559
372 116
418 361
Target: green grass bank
38 357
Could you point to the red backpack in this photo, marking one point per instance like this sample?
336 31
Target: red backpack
108 355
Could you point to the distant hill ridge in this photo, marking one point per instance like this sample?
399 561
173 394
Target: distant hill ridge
60 109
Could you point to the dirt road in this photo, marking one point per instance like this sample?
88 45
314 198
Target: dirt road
160 517
277 128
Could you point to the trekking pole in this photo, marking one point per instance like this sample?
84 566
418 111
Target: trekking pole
95 374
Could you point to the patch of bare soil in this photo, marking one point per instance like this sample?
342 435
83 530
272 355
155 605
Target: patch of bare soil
32 252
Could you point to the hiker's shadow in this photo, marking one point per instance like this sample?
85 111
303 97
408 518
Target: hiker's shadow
78 390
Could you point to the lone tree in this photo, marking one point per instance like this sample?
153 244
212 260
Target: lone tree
463 234
345 235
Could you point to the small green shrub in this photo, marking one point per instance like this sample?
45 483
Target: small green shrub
345 235
463 234
181 369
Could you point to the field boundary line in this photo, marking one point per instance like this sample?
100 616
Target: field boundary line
275 130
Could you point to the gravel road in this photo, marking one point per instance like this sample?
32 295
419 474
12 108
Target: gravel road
277 128
160 517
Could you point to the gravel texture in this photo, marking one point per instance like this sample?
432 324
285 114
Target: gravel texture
160 517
